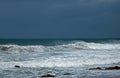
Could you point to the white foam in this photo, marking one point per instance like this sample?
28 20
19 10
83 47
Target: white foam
103 46
79 45
34 64
90 45
68 59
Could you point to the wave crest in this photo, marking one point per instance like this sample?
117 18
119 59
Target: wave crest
18 48
79 45
89 45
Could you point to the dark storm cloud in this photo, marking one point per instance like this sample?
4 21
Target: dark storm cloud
59 19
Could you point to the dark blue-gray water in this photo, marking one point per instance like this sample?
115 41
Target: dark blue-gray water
37 57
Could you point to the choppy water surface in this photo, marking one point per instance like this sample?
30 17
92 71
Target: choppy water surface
59 57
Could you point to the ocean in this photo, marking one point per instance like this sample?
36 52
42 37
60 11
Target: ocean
37 57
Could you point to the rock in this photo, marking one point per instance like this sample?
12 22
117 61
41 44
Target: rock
48 76
113 68
16 66
67 73
97 68
106 68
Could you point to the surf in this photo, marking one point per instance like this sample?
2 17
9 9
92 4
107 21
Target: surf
78 45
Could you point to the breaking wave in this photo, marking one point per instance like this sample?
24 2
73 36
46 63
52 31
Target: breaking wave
78 45
19 48
71 54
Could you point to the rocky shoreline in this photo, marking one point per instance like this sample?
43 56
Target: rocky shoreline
54 75
106 68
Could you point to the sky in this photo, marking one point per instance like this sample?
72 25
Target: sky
59 18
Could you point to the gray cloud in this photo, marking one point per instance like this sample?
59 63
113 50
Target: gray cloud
59 18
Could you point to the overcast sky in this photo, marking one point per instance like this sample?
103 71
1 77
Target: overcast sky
59 18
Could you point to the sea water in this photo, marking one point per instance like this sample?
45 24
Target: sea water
37 57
